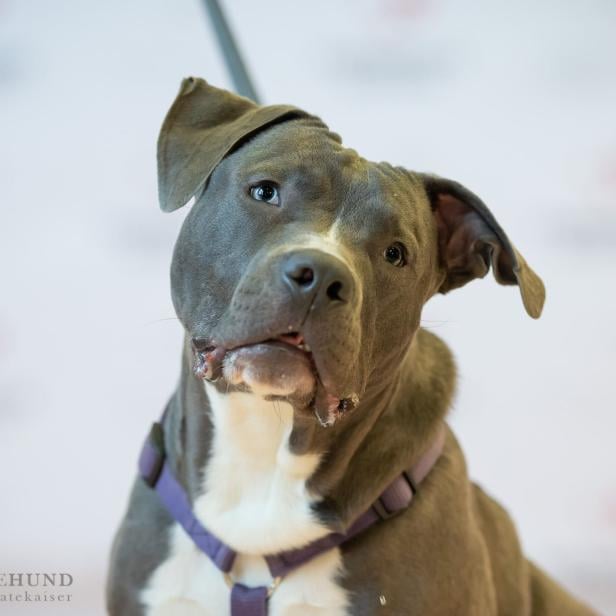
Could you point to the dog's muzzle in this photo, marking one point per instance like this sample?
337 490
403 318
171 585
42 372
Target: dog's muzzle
287 350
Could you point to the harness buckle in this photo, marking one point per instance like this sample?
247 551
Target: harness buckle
382 511
396 497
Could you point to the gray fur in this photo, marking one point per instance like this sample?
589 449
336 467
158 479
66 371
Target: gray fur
454 551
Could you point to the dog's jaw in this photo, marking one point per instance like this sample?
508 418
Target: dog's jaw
280 368
271 369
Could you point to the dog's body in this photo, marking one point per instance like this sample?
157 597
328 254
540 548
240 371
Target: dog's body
314 385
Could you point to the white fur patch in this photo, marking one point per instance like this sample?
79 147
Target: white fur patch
255 499
329 243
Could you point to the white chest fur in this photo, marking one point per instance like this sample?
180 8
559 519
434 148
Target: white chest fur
255 499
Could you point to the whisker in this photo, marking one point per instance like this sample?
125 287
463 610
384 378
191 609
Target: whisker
278 410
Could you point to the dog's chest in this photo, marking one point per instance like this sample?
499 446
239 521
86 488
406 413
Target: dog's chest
255 499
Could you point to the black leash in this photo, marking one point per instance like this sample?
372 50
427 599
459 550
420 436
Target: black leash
233 59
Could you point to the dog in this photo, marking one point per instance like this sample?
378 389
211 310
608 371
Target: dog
308 388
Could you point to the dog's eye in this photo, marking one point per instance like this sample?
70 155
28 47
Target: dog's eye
265 191
395 254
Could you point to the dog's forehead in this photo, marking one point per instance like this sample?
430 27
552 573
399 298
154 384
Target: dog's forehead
311 156
304 145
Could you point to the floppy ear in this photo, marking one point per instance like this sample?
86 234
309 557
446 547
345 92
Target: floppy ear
203 125
470 240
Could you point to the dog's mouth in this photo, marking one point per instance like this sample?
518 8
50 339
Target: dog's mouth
281 367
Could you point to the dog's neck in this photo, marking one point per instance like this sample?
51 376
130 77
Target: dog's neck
345 466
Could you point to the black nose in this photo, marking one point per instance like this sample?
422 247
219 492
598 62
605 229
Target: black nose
319 275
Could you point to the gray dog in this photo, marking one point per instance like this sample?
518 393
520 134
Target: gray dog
303 466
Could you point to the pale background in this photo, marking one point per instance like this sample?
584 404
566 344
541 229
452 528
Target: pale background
516 100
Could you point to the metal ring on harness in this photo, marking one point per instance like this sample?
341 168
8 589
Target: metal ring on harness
270 589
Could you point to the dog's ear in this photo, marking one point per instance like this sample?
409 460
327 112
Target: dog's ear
470 240
203 125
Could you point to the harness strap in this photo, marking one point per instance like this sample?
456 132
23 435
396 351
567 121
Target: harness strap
175 499
246 601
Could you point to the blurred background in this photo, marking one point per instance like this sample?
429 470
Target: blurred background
515 100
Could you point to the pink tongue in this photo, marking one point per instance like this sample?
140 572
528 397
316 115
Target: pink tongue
293 338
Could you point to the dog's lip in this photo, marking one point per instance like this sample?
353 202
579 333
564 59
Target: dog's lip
210 355
292 343
296 348
327 407
295 340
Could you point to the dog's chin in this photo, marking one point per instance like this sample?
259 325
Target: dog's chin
281 368
272 370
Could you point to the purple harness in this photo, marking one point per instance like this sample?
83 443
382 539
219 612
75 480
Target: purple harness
246 601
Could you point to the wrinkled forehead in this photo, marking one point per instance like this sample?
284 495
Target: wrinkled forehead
301 149
303 155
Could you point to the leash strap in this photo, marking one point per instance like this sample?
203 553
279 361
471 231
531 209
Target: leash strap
233 59
246 601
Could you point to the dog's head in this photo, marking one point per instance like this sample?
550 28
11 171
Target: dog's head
301 270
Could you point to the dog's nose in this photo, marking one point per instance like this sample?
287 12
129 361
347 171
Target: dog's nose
319 275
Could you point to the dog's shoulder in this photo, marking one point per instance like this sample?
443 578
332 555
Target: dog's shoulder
140 545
